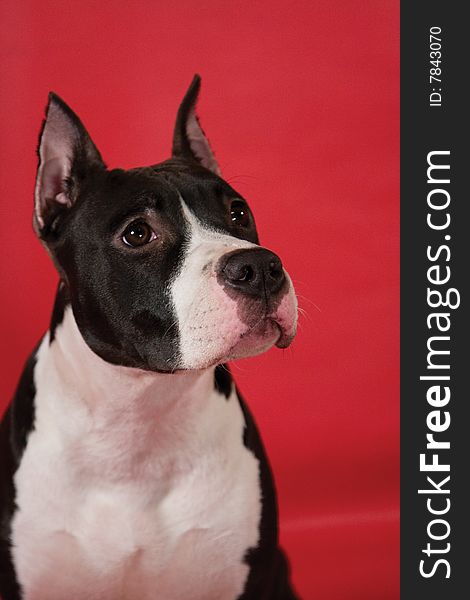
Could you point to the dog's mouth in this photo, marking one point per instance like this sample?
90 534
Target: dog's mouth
261 336
285 337
266 326
226 327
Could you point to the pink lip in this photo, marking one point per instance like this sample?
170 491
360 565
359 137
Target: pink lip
285 338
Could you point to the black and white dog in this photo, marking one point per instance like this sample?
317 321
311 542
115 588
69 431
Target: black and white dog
131 469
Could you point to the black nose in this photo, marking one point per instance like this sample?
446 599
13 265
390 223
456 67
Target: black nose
254 271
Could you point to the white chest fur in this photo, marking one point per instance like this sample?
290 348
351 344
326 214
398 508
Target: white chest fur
132 485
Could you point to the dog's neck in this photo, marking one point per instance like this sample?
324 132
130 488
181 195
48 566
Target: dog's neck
115 385
120 410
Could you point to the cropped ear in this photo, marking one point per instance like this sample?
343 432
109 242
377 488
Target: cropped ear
189 140
66 153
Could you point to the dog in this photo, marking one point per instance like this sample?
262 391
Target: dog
131 467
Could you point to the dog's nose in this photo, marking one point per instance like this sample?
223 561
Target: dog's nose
253 271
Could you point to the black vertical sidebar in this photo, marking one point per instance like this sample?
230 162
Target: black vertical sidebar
436 124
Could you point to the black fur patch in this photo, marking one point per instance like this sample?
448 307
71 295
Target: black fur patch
61 301
15 427
120 295
268 578
223 380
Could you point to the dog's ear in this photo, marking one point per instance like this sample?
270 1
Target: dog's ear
66 154
189 140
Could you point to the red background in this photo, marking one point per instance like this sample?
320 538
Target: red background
301 103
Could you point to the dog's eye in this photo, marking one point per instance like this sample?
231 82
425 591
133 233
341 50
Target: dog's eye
138 233
239 213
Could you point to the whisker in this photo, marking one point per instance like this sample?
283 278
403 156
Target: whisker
301 297
175 322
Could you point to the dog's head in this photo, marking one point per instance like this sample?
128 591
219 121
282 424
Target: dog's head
161 264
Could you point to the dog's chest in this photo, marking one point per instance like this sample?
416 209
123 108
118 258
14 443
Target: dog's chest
161 519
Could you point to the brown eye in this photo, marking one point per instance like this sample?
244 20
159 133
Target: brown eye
239 213
138 233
